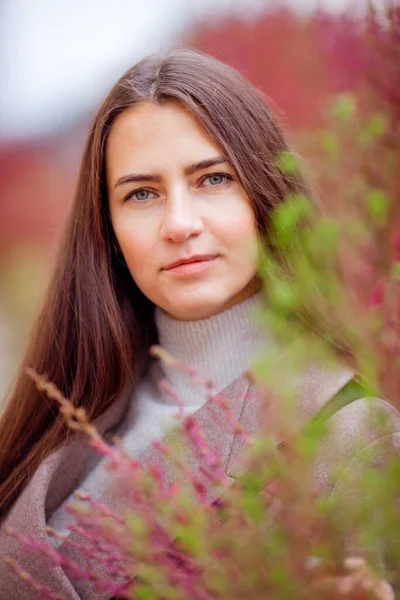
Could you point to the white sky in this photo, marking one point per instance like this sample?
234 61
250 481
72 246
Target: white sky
57 58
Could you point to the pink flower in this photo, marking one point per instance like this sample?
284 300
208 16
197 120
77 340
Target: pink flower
377 295
396 252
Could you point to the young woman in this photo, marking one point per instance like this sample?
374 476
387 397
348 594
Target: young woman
176 188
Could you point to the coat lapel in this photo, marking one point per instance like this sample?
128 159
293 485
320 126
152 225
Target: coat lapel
219 436
313 386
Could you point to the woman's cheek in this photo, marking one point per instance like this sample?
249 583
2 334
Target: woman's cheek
137 248
240 229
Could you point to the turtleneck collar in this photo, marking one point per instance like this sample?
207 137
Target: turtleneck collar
220 347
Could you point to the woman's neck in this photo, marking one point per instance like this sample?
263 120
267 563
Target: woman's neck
220 347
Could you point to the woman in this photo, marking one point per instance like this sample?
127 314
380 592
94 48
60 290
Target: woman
176 188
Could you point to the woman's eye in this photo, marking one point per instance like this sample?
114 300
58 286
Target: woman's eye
139 195
217 179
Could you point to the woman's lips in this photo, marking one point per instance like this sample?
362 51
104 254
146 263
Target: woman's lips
192 268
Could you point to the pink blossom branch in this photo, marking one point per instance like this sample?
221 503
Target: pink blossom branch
43 590
58 559
95 550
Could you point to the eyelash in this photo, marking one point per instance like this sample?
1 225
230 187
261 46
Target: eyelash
131 195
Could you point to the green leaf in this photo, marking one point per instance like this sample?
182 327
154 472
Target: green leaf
287 163
145 592
322 242
395 275
344 107
136 525
283 295
377 203
253 506
309 443
192 537
252 481
376 126
286 218
330 143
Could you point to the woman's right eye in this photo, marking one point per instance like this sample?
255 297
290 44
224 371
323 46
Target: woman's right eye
139 196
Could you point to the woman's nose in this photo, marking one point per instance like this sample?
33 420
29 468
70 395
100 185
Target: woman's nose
180 219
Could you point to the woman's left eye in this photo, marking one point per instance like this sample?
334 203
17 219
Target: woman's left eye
217 179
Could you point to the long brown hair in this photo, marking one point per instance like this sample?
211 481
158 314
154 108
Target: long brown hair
95 327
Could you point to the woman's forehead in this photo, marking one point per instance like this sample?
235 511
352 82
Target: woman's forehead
154 138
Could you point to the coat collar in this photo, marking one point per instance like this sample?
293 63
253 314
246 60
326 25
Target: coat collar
72 459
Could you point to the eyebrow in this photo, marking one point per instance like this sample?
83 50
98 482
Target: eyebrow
187 169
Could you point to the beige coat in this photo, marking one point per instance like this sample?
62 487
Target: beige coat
62 471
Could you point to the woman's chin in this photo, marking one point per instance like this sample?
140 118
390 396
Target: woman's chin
195 309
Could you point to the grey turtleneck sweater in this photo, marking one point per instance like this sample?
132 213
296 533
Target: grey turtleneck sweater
221 348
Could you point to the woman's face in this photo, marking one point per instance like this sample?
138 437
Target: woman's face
173 197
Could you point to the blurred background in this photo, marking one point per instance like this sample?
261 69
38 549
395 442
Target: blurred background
57 61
